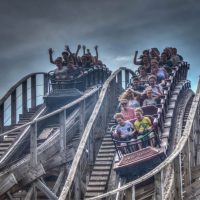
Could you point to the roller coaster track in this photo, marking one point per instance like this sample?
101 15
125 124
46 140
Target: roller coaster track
60 167
187 112
150 191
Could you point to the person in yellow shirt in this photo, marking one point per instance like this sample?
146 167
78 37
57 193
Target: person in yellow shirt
144 128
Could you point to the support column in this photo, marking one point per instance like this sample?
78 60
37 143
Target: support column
130 193
187 163
13 108
45 84
159 187
33 145
82 116
24 97
33 154
119 80
1 118
126 78
62 131
33 91
77 189
178 178
91 147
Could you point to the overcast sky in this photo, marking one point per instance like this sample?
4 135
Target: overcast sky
30 27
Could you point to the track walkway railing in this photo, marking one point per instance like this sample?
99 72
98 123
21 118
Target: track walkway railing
173 158
105 106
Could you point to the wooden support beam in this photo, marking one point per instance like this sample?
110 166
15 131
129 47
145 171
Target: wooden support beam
33 145
34 192
187 164
130 193
33 91
24 97
119 78
126 78
178 178
29 193
7 182
62 121
159 187
77 182
9 196
59 181
27 174
82 116
45 84
43 188
91 147
13 107
1 118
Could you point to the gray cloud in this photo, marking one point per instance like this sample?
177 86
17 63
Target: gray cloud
29 28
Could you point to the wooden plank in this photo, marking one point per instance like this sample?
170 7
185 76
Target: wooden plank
82 116
33 91
24 97
6 183
33 145
130 193
29 193
26 174
34 192
62 122
13 107
59 181
77 182
9 196
159 186
1 118
178 178
45 133
43 188
126 78
187 164
45 84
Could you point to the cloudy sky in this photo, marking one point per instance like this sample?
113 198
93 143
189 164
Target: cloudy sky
30 27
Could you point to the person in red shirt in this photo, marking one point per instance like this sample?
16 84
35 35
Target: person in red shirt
128 112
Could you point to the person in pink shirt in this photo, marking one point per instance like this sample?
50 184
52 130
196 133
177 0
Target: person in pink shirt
128 112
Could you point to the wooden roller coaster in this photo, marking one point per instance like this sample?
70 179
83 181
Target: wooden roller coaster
68 152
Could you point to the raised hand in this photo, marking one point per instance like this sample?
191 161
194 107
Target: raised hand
67 47
79 46
50 50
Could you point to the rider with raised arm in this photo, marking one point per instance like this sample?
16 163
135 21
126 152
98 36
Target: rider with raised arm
50 50
73 56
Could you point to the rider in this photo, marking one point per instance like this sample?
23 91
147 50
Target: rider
144 128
